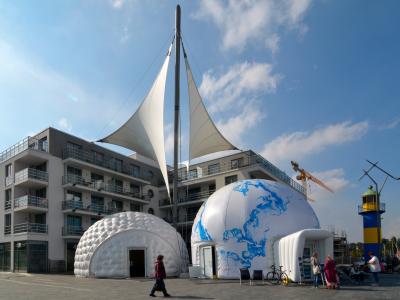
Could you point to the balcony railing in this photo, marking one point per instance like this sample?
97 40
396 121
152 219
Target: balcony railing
29 200
78 205
110 164
371 207
9 180
72 230
7 204
30 227
7 229
187 217
188 198
26 143
250 159
101 186
30 173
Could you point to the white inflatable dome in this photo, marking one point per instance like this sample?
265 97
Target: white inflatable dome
103 250
242 220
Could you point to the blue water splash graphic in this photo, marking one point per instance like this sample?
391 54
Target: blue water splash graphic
271 204
199 227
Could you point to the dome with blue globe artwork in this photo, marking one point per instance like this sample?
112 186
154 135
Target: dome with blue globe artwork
242 220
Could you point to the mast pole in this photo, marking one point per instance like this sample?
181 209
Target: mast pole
176 116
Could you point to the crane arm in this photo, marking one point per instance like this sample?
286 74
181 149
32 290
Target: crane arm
319 182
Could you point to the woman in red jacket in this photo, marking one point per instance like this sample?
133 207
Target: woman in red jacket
159 274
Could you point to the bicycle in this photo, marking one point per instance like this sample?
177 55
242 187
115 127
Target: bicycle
277 276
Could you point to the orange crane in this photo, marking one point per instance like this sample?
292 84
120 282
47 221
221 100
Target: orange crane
304 176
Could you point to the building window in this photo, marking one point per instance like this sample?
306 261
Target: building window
150 174
43 145
7 202
7 224
150 211
73 146
230 179
135 207
150 193
211 188
135 170
116 164
41 193
97 204
236 163
74 221
74 171
9 170
93 220
117 206
192 174
214 168
98 157
73 196
96 177
134 189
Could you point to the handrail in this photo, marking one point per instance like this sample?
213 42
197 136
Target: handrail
88 157
72 230
371 207
30 173
26 143
30 227
101 186
30 200
73 204
196 172
188 198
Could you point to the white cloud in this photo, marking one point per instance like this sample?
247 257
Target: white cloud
253 20
272 43
117 4
299 144
239 82
234 128
64 124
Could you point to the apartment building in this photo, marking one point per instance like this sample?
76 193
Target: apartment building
54 186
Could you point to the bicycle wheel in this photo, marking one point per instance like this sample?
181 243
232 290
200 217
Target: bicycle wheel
272 277
284 279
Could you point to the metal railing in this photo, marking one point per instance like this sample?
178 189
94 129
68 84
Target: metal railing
7 229
7 204
371 207
249 159
110 164
30 173
72 230
9 180
101 186
78 205
188 198
29 200
30 227
26 143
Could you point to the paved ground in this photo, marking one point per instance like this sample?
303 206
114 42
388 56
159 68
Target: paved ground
48 287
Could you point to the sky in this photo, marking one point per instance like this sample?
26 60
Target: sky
305 80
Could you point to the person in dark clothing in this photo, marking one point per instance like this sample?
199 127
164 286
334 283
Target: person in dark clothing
159 275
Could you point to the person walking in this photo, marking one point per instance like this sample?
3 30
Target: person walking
316 268
160 275
330 273
374 266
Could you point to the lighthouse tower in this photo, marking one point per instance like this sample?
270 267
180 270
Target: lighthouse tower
371 210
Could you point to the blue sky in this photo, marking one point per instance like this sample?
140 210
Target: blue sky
313 81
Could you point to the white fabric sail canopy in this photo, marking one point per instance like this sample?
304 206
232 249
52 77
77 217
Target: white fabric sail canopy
144 131
204 137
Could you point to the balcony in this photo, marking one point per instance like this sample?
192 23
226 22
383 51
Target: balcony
88 158
187 200
102 187
72 231
30 228
30 203
187 218
31 178
7 204
26 143
78 207
249 159
371 207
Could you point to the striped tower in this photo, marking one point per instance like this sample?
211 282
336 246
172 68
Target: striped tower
371 211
